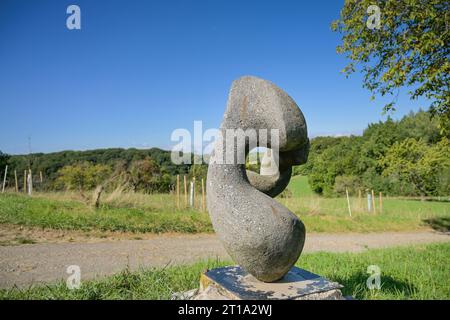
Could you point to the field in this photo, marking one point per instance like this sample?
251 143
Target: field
55 213
139 213
331 214
419 272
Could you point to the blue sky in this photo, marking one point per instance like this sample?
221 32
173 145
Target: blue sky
137 70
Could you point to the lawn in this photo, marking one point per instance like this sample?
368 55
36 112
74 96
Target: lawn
158 213
418 272
320 214
299 186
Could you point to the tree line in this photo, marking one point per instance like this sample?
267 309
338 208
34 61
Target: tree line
149 170
409 157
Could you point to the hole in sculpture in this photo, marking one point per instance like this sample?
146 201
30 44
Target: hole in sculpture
262 160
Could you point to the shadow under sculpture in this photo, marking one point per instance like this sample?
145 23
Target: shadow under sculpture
260 234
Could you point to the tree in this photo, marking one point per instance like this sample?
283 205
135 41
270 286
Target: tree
83 176
317 146
410 48
145 175
418 164
198 171
344 183
338 159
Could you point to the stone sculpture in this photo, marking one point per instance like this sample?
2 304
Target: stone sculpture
259 233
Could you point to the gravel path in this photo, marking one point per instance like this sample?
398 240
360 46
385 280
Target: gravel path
28 264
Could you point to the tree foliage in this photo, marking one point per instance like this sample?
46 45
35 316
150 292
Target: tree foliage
120 159
147 176
421 165
83 176
199 171
411 49
406 157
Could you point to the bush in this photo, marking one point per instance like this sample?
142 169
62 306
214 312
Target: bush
83 176
351 183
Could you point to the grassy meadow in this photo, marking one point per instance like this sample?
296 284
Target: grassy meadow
58 212
322 214
158 213
417 272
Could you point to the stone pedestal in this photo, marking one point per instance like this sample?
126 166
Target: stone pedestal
233 283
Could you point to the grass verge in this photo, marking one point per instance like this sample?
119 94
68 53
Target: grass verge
418 272
75 215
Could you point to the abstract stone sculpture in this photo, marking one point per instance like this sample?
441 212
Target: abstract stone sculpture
259 233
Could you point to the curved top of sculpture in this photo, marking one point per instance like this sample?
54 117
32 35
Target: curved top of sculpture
259 233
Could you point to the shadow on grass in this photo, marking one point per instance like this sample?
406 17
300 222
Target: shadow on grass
356 286
441 224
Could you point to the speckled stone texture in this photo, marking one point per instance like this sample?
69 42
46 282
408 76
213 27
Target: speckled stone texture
259 233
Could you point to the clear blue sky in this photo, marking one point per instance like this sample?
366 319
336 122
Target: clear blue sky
137 70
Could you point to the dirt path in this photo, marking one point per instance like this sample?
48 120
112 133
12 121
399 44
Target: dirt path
27 264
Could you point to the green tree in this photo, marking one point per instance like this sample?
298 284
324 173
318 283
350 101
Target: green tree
83 176
198 171
350 183
317 146
145 175
339 158
409 49
416 163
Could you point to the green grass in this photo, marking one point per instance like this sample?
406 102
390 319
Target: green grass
320 214
299 186
75 215
419 272
158 214
331 214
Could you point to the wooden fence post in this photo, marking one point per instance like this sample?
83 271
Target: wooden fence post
30 183
359 199
381 202
191 194
185 192
40 175
4 179
203 196
194 197
17 183
178 191
373 202
25 181
348 202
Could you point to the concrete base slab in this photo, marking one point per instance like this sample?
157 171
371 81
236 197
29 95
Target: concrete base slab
234 283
